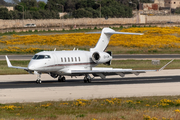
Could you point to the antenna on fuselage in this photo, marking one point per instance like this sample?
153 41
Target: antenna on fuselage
54 49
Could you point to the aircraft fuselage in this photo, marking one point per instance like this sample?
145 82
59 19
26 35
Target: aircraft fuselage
62 62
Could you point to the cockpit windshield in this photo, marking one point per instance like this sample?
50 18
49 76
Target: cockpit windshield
41 57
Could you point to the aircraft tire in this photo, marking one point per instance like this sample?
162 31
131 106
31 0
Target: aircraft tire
63 79
38 81
89 80
85 80
59 79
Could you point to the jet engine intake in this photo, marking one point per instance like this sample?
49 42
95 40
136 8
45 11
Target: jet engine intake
101 57
96 57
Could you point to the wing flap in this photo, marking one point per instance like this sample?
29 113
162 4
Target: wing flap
120 72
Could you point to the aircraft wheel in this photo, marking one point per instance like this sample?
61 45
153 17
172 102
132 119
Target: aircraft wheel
59 79
85 80
38 81
89 80
63 79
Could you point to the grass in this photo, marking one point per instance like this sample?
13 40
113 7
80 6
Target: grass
134 64
134 108
53 32
113 49
59 32
142 64
4 70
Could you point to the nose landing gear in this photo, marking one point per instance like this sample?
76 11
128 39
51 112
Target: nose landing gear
38 81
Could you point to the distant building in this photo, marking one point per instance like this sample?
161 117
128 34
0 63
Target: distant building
160 3
150 6
168 3
9 8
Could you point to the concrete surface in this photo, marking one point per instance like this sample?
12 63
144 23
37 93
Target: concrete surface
87 92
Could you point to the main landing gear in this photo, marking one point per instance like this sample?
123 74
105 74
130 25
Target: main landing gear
38 81
87 79
61 79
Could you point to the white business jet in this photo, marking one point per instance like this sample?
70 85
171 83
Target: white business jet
77 62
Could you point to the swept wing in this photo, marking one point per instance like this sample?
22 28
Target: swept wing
103 72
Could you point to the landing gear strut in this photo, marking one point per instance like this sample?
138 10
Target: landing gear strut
38 81
61 79
87 79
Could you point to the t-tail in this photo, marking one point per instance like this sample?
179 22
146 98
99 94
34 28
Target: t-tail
105 37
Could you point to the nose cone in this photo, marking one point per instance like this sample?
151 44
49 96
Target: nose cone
31 67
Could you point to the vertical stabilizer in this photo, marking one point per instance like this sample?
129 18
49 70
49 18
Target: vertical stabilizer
103 40
105 37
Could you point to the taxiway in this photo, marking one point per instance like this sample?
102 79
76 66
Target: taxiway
22 88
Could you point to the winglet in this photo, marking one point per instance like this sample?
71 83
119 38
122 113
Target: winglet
17 67
8 62
165 65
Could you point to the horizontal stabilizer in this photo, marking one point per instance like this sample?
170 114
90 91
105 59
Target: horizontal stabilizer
125 33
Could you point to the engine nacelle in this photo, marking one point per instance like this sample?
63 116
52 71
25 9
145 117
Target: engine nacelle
101 57
53 75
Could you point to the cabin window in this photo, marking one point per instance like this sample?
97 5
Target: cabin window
47 56
68 59
35 56
75 59
72 59
64 59
174 2
79 59
41 57
61 59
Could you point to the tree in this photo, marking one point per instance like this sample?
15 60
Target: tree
29 4
35 15
80 13
95 13
55 5
81 4
21 7
15 1
2 2
41 5
69 6
4 13
106 11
